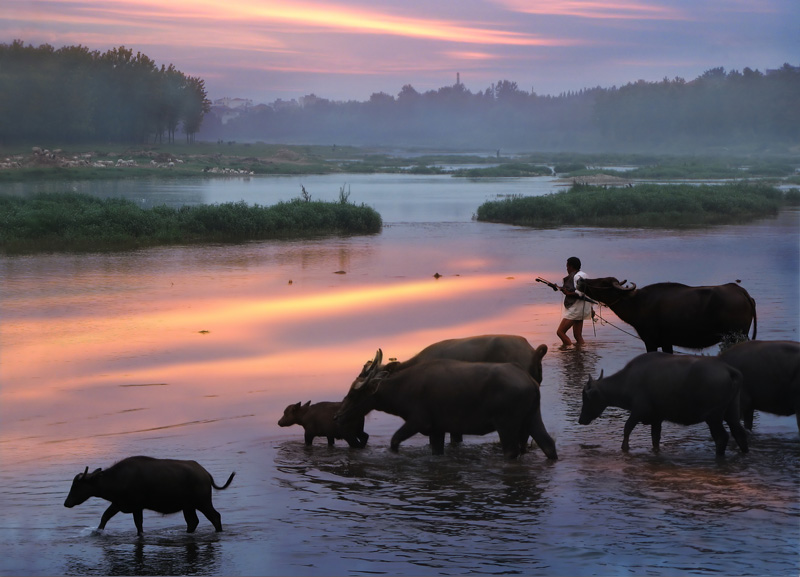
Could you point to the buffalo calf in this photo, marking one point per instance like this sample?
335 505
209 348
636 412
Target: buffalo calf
657 387
161 485
318 421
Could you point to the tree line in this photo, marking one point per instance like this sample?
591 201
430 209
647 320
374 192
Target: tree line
719 109
73 94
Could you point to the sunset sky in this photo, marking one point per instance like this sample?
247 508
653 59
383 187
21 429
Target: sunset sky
348 49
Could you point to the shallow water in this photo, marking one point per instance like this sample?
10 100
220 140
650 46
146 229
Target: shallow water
102 357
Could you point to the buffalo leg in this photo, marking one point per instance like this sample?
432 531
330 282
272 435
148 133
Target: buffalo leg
629 425
437 442
331 440
738 432
363 438
509 439
212 515
655 434
406 431
309 438
107 514
720 436
542 437
748 411
137 520
191 519
456 438
667 348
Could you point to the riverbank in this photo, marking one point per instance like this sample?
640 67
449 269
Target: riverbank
225 159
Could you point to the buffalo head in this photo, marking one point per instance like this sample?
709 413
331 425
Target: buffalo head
593 402
83 487
293 414
607 290
360 398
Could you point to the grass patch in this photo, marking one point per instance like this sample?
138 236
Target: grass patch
645 205
73 221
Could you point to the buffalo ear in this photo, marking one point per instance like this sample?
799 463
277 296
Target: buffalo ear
306 405
542 350
601 375
85 471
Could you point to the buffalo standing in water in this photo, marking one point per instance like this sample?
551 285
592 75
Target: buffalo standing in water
442 396
318 421
657 387
671 314
771 371
492 348
161 485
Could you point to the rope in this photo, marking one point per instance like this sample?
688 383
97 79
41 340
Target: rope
604 321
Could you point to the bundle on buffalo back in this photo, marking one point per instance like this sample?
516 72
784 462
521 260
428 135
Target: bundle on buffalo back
318 421
671 314
162 485
657 387
442 396
771 371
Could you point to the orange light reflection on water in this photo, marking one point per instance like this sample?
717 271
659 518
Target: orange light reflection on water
116 373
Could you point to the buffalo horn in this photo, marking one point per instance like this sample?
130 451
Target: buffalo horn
86 471
376 363
370 368
601 375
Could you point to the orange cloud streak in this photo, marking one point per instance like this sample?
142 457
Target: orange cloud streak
274 16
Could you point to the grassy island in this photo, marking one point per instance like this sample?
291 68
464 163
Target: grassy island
73 221
644 205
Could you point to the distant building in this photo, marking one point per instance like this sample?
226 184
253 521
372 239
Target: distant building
233 103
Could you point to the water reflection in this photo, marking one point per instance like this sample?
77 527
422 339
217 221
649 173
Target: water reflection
422 502
153 555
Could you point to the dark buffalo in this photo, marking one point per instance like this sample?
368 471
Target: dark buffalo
671 314
657 387
482 348
161 485
442 396
318 421
771 371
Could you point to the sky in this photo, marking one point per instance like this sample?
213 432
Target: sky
264 50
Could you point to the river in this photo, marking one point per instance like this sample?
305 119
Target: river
194 352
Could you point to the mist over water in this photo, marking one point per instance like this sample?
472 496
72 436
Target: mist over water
102 357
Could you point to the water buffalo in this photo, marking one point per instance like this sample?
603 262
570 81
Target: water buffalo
657 387
317 420
666 314
162 485
771 371
441 396
481 348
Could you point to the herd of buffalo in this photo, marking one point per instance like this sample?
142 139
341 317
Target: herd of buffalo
476 385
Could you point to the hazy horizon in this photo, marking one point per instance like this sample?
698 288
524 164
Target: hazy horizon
265 50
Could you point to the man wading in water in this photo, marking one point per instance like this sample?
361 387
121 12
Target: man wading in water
576 308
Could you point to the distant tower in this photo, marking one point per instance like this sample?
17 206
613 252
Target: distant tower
458 78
